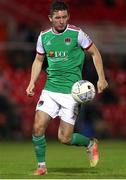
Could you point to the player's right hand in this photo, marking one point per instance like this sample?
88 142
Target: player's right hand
30 90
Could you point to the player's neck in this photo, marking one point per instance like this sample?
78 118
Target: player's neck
58 32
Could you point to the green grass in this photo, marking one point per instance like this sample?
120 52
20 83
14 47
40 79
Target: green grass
17 161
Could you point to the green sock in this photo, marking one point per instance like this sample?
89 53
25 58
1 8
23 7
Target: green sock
79 140
39 143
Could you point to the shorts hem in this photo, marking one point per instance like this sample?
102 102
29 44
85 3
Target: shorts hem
68 121
38 109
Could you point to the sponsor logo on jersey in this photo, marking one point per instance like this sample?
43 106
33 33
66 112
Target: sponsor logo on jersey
61 54
51 54
58 55
67 41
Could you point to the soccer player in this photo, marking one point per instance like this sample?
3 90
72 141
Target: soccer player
63 45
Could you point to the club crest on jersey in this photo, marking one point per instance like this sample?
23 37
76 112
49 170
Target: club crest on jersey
67 41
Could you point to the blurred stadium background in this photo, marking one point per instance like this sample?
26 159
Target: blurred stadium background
20 24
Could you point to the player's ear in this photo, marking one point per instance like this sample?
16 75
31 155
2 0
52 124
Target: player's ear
50 18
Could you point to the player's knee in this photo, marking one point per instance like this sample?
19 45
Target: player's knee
39 126
38 130
64 140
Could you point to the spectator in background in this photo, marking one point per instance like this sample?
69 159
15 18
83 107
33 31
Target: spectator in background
90 121
9 116
25 36
110 3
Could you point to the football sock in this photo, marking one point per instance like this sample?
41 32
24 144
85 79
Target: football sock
41 164
79 140
39 143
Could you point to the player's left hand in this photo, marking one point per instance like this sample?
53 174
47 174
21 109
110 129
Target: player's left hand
101 85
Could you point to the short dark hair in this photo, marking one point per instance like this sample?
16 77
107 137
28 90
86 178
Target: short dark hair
58 5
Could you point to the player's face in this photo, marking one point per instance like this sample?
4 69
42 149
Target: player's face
59 20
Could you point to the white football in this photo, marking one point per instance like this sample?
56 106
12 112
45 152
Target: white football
83 91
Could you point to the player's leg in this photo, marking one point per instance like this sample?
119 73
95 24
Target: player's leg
40 124
90 144
65 132
66 136
68 114
46 108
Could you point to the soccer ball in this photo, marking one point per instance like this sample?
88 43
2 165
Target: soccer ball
83 91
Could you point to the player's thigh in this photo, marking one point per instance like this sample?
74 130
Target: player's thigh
41 122
48 104
69 109
65 131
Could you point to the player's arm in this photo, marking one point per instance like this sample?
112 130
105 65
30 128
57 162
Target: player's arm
35 72
97 60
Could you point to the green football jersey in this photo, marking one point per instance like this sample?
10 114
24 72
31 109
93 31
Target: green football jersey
65 57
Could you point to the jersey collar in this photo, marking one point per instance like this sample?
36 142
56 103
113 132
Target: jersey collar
59 33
